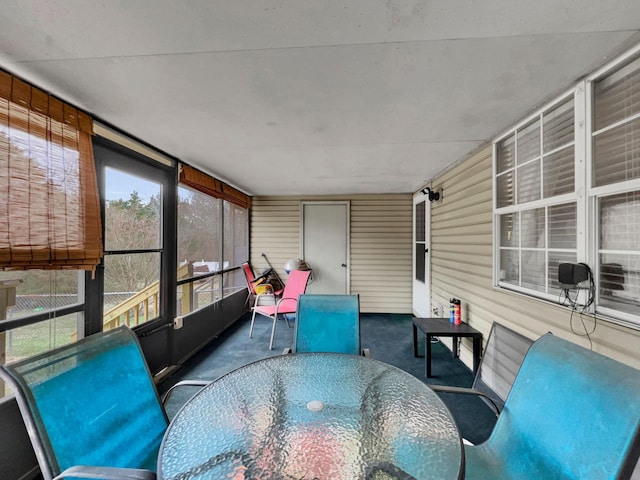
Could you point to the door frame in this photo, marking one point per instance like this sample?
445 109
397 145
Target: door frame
347 205
417 307
156 335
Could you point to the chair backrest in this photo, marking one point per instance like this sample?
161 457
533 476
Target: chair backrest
296 286
328 323
571 413
501 360
249 276
92 402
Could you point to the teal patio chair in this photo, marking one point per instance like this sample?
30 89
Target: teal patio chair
571 414
328 323
501 360
91 408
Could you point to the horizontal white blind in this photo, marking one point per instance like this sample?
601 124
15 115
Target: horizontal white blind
619 281
616 141
558 168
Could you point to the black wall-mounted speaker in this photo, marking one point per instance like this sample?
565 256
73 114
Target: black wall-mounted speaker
572 273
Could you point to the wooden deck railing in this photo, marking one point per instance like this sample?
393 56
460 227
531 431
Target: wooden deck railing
137 308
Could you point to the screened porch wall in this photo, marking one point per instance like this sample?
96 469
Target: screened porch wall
381 244
461 267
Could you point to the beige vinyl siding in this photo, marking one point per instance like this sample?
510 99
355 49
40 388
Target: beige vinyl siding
381 252
381 234
462 267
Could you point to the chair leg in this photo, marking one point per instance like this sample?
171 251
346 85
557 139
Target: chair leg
286 317
273 331
253 319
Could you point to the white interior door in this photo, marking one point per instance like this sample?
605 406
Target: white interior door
325 245
421 262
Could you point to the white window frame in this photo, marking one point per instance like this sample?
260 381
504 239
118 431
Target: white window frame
585 196
542 202
594 193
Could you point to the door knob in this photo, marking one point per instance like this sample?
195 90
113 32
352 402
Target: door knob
344 265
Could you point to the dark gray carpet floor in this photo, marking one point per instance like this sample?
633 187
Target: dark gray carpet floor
388 336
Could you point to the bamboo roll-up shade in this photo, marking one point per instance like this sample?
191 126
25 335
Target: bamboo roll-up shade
235 196
49 203
212 186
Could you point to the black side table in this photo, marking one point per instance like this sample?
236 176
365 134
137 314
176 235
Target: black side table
441 327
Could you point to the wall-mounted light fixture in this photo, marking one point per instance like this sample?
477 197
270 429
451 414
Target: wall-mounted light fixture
433 196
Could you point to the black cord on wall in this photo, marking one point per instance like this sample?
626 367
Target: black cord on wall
581 310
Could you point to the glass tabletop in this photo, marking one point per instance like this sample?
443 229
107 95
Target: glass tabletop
313 416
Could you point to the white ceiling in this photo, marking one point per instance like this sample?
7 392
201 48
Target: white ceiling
312 97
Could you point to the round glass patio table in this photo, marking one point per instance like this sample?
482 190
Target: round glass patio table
313 416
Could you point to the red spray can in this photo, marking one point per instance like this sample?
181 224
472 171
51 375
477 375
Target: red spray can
457 312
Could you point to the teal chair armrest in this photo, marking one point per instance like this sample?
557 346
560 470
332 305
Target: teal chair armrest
106 473
183 383
467 391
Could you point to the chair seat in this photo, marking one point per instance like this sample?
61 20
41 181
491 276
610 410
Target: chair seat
288 304
481 463
284 306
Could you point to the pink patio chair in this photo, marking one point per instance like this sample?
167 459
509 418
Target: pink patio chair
253 282
288 304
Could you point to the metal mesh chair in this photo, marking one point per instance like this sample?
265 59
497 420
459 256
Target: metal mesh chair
287 304
91 408
328 323
257 285
498 368
571 413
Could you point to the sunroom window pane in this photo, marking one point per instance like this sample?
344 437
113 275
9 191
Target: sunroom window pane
532 228
617 96
197 294
132 216
558 126
505 186
616 154
236 246
533 269
131 289
509 230
199 230
559 173
506 157
619 282
562 226
43 290
233 281
509 266
620 222
619 279
41 337
528 142
529 182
